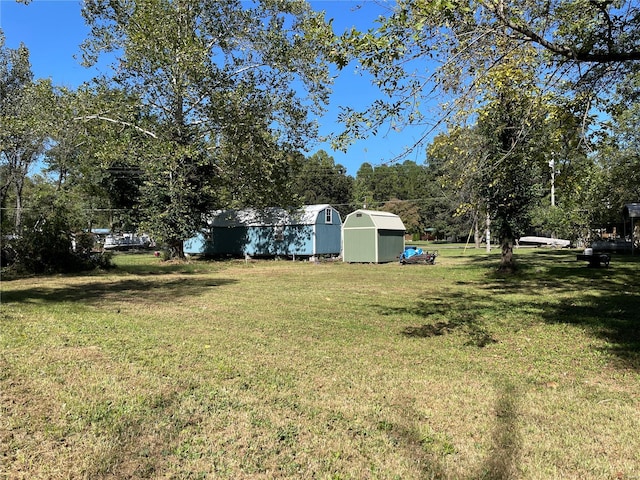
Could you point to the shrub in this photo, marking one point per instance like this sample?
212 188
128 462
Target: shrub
45 246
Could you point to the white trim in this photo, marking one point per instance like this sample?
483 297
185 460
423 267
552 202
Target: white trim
328 216
314 236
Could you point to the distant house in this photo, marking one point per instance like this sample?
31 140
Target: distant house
372 237
310 231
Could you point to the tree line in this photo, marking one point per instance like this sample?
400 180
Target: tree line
212 104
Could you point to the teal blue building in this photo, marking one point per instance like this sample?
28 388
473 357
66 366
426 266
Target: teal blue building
313 230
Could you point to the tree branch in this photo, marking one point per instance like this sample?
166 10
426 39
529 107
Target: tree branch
611 56
118 122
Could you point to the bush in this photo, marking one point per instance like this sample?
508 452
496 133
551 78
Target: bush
46 246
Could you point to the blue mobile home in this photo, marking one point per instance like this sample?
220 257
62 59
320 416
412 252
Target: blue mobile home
307 232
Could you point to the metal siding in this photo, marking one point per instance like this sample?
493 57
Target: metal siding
195 245
292 239
236 232
298 239
227 241
259 241
221 241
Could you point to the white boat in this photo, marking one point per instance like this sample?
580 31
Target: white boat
539 241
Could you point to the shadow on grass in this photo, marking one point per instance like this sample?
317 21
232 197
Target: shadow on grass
430 448
127 264
603 301
506 442
450 315
154 290
419 449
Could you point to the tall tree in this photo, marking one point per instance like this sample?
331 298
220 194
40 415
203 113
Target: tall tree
220 82
25 116
511 123
445 51
426 50
362 193
407 211
99 163
455 157
618 157
320 180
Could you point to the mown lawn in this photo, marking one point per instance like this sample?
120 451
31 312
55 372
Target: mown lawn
278 369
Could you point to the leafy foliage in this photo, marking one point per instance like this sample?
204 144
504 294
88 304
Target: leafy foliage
46 243
519 74
25 116
319 180
413 192
219 83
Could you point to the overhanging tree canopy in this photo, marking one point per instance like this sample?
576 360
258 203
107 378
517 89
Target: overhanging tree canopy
221 84
445 52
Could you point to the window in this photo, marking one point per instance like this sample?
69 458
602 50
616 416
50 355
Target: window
327 216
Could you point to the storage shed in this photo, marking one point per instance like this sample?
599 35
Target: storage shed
372 237
306 232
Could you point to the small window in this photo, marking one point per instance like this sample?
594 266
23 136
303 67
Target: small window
327 216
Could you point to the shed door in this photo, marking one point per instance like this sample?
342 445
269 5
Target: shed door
390 245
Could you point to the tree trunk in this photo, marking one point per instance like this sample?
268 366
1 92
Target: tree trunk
476 231
507 264
18 217
175 249
488 233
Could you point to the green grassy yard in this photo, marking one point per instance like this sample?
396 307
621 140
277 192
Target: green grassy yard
278 369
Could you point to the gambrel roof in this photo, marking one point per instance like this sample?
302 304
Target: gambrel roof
272 216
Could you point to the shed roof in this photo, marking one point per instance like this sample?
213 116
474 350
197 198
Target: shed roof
632 210
272 216
382 220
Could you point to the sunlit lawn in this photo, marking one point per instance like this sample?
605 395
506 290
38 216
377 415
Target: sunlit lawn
279 369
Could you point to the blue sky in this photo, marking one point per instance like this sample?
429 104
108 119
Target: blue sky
52 30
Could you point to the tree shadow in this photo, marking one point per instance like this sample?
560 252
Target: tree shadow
132 290
162 267
613 317
424 450
447 315
429 448
604 301
506 441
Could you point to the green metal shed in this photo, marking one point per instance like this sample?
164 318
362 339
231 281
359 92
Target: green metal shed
372 237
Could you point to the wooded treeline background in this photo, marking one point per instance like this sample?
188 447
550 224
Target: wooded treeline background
212 104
